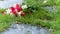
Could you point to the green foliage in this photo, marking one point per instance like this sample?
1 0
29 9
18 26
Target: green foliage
5 21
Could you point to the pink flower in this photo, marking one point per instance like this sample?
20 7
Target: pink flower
18 7
13 10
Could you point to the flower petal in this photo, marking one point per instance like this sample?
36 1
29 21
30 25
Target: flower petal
24 6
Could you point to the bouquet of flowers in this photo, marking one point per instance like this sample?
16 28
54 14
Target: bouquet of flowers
18 10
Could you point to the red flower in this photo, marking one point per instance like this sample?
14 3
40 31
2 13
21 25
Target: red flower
18 7
22 14
13 10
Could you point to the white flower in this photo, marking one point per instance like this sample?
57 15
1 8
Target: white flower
24 6
11 14
45 1
8 11
19 12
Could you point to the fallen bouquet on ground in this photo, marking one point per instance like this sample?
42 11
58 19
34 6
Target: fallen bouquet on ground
18 10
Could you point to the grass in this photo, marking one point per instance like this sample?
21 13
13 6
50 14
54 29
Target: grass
57 23
4 26
5 22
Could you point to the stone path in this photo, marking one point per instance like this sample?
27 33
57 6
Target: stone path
25 29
